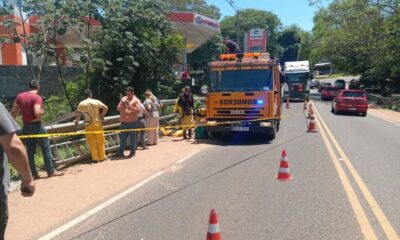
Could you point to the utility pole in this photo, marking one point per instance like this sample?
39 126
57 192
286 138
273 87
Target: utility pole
236 8
238 27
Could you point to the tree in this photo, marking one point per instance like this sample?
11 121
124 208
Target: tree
252 18
212 48
360 37
41 41
197 6
134 49
289 41
294 44
210 51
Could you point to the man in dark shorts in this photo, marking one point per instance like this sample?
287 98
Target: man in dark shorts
30 105
15 150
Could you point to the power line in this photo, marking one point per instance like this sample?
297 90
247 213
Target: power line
233 4
237 10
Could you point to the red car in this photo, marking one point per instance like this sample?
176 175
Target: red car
354 101
329 93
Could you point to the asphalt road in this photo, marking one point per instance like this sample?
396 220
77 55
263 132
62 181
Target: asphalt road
237 177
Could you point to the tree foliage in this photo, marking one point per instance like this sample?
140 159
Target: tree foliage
134 49
361 37
197 6
135 44
252 18
294 44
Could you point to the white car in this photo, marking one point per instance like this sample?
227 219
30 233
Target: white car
314 83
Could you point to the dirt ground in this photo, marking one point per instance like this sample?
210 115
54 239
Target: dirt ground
385 114
58 200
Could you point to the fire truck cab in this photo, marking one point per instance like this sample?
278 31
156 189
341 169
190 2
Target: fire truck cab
244 94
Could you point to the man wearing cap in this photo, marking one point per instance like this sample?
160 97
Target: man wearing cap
93 111
30 105
129 108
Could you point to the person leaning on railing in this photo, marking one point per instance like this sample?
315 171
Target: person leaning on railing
31 107
92 109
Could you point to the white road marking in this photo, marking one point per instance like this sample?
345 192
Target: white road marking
187 157
100 207
109 202
341 159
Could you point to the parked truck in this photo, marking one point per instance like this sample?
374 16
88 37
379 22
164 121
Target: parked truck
244 94
297 77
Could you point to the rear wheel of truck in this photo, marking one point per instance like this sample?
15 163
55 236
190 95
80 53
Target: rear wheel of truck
270 136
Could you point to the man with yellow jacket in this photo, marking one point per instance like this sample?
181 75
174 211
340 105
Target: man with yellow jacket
185 107
91 109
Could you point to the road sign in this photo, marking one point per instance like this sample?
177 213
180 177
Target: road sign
255 40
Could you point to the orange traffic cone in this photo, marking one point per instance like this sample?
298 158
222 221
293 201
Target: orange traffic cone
312 127
213 227
305 105
284 173
287 103
310 112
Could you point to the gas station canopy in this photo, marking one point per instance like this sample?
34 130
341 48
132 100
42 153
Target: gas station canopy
195 28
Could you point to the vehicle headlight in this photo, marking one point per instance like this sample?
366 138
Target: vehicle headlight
211 123
265 124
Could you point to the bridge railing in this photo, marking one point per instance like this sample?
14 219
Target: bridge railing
67 149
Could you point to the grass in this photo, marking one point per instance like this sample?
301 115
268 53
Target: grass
38 162
336 75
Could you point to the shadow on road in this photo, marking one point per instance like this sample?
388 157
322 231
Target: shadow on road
236 139
347 114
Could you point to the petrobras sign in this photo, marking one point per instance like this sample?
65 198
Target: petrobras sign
256 40
206 22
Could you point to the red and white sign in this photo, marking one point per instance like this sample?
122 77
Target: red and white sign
256 40
206 22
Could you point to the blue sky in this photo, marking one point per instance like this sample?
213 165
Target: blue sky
289 11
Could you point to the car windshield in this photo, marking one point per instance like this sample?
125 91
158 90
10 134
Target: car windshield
331 89
241 80
297 77
353 94
340 82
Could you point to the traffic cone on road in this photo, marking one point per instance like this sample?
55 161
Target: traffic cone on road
310 112
305 105
312 126
284 173
213 227
287 103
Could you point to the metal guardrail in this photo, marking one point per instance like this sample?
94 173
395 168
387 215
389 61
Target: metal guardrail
378 100
67 150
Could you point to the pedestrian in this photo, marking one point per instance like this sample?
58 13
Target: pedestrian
93 111
30 105
231 46
153 117
142 126
16 153
185 103
129 108
155 98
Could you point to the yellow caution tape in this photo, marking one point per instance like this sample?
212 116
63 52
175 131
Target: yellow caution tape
71 134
